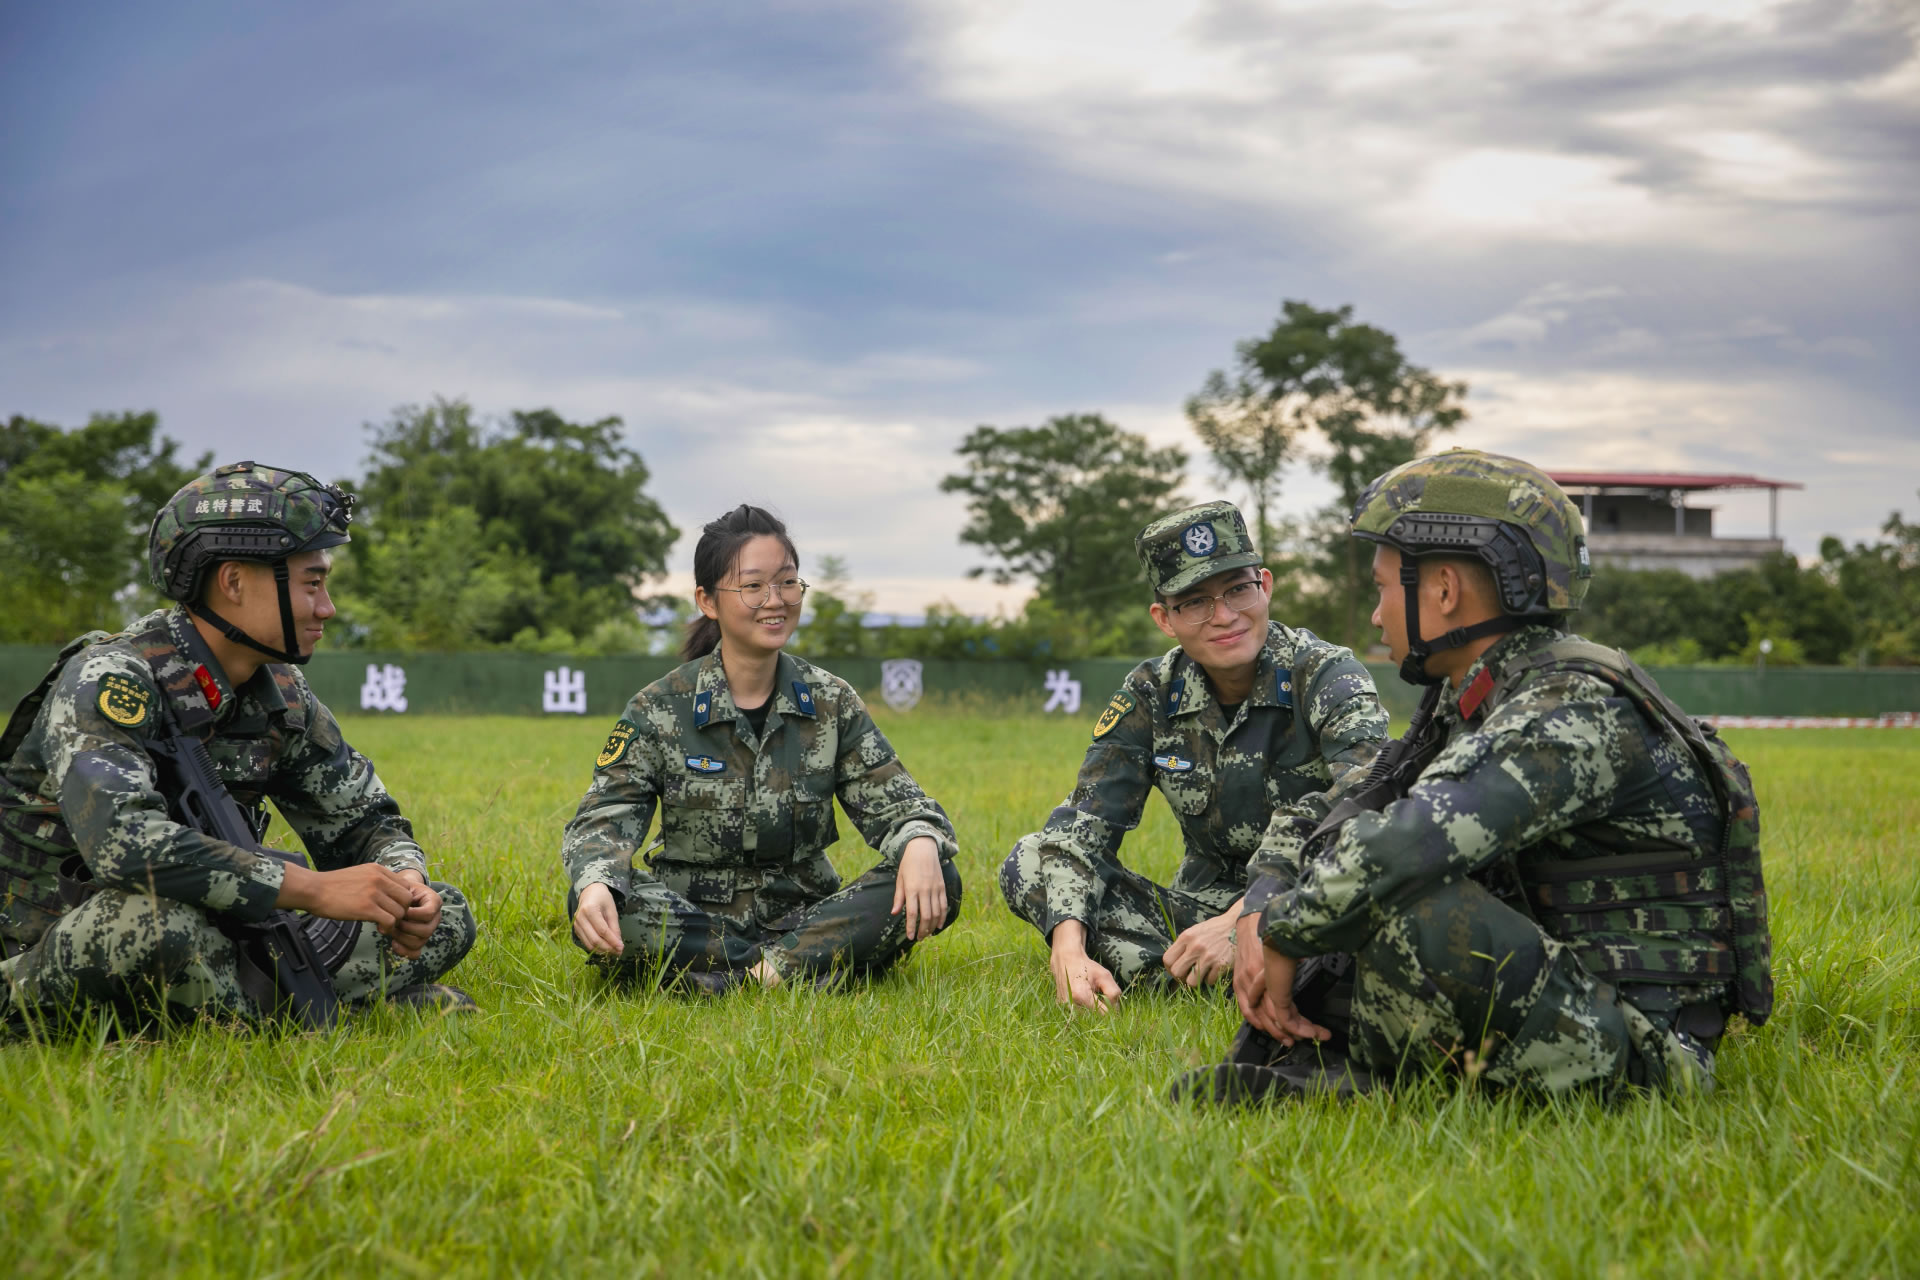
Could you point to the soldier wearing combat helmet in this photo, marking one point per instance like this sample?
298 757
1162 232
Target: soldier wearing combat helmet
110 894
1551 882
1244 717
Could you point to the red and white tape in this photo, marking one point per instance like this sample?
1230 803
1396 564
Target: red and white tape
1890 720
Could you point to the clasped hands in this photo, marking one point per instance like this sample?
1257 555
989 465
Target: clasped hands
400 904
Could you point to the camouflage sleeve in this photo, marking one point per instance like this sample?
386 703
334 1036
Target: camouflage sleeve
881 798
1080 845
99 771
1344 712
612 820
331 796
1548 759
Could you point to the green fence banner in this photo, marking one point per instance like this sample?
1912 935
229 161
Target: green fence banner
546 684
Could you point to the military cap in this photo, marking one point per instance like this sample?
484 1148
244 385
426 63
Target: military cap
1190 546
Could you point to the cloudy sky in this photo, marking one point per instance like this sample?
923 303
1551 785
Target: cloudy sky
802 249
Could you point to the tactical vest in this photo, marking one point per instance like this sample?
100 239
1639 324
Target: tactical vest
34 836
1677 915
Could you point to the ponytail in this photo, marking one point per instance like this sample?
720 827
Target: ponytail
713 559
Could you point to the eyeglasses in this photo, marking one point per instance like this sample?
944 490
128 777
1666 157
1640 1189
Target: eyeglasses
1241 597
755 595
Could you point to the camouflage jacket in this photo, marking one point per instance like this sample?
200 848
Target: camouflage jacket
1561 772
82 780
1224 778
731 806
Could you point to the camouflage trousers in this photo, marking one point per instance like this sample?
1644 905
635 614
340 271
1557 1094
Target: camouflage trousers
134 949
1460 981
1134 923
771 914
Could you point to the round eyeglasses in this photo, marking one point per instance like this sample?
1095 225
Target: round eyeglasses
1241 597
755 594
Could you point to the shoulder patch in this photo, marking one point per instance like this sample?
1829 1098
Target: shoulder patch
124 700
617 743
1117 707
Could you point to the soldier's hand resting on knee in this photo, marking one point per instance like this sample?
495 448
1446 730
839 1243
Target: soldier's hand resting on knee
1203 952
919 889
1263 985
368 892
1078 978
411 931
596 921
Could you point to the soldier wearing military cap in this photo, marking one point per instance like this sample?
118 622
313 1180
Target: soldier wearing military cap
1551 882
107 895
1245 716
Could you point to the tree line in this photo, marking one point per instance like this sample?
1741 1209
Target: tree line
540 534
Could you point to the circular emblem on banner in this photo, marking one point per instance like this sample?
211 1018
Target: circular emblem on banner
900 682
1199 539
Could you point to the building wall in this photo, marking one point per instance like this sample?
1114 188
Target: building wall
1641 513
1697 557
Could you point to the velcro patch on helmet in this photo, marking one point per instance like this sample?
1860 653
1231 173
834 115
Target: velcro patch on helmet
1467 496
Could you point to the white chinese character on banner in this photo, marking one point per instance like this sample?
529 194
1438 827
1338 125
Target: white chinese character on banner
900 685
566 691
385 689
1063 692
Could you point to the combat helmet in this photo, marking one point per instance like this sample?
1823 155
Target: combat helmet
244 511
1503 512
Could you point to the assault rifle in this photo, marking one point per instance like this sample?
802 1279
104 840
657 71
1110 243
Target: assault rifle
281 967
1393 772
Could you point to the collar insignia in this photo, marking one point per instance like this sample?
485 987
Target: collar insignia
1283 688
208 686
1174 690
803 697
702 709
1475 693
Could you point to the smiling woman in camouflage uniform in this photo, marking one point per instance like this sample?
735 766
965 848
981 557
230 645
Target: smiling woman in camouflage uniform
107 896
1244 717
743 751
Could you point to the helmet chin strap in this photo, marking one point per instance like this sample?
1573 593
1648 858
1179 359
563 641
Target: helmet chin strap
292 652
1413 667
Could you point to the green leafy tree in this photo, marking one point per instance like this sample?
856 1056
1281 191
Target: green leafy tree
74 510
1374 408
1880 584
1251 432
835 626
563 531
1061 503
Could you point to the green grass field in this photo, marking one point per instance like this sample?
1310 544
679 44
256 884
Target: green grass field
951 1118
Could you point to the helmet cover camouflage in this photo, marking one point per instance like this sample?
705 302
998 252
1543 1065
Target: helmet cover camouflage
1500 510
1191 546
242 511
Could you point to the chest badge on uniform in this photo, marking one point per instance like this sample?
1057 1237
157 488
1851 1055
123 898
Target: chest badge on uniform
617 743
125 701
1117 708
1173 764
706 764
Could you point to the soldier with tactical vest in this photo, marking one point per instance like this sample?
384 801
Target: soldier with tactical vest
1551 882
112 892
1244 717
